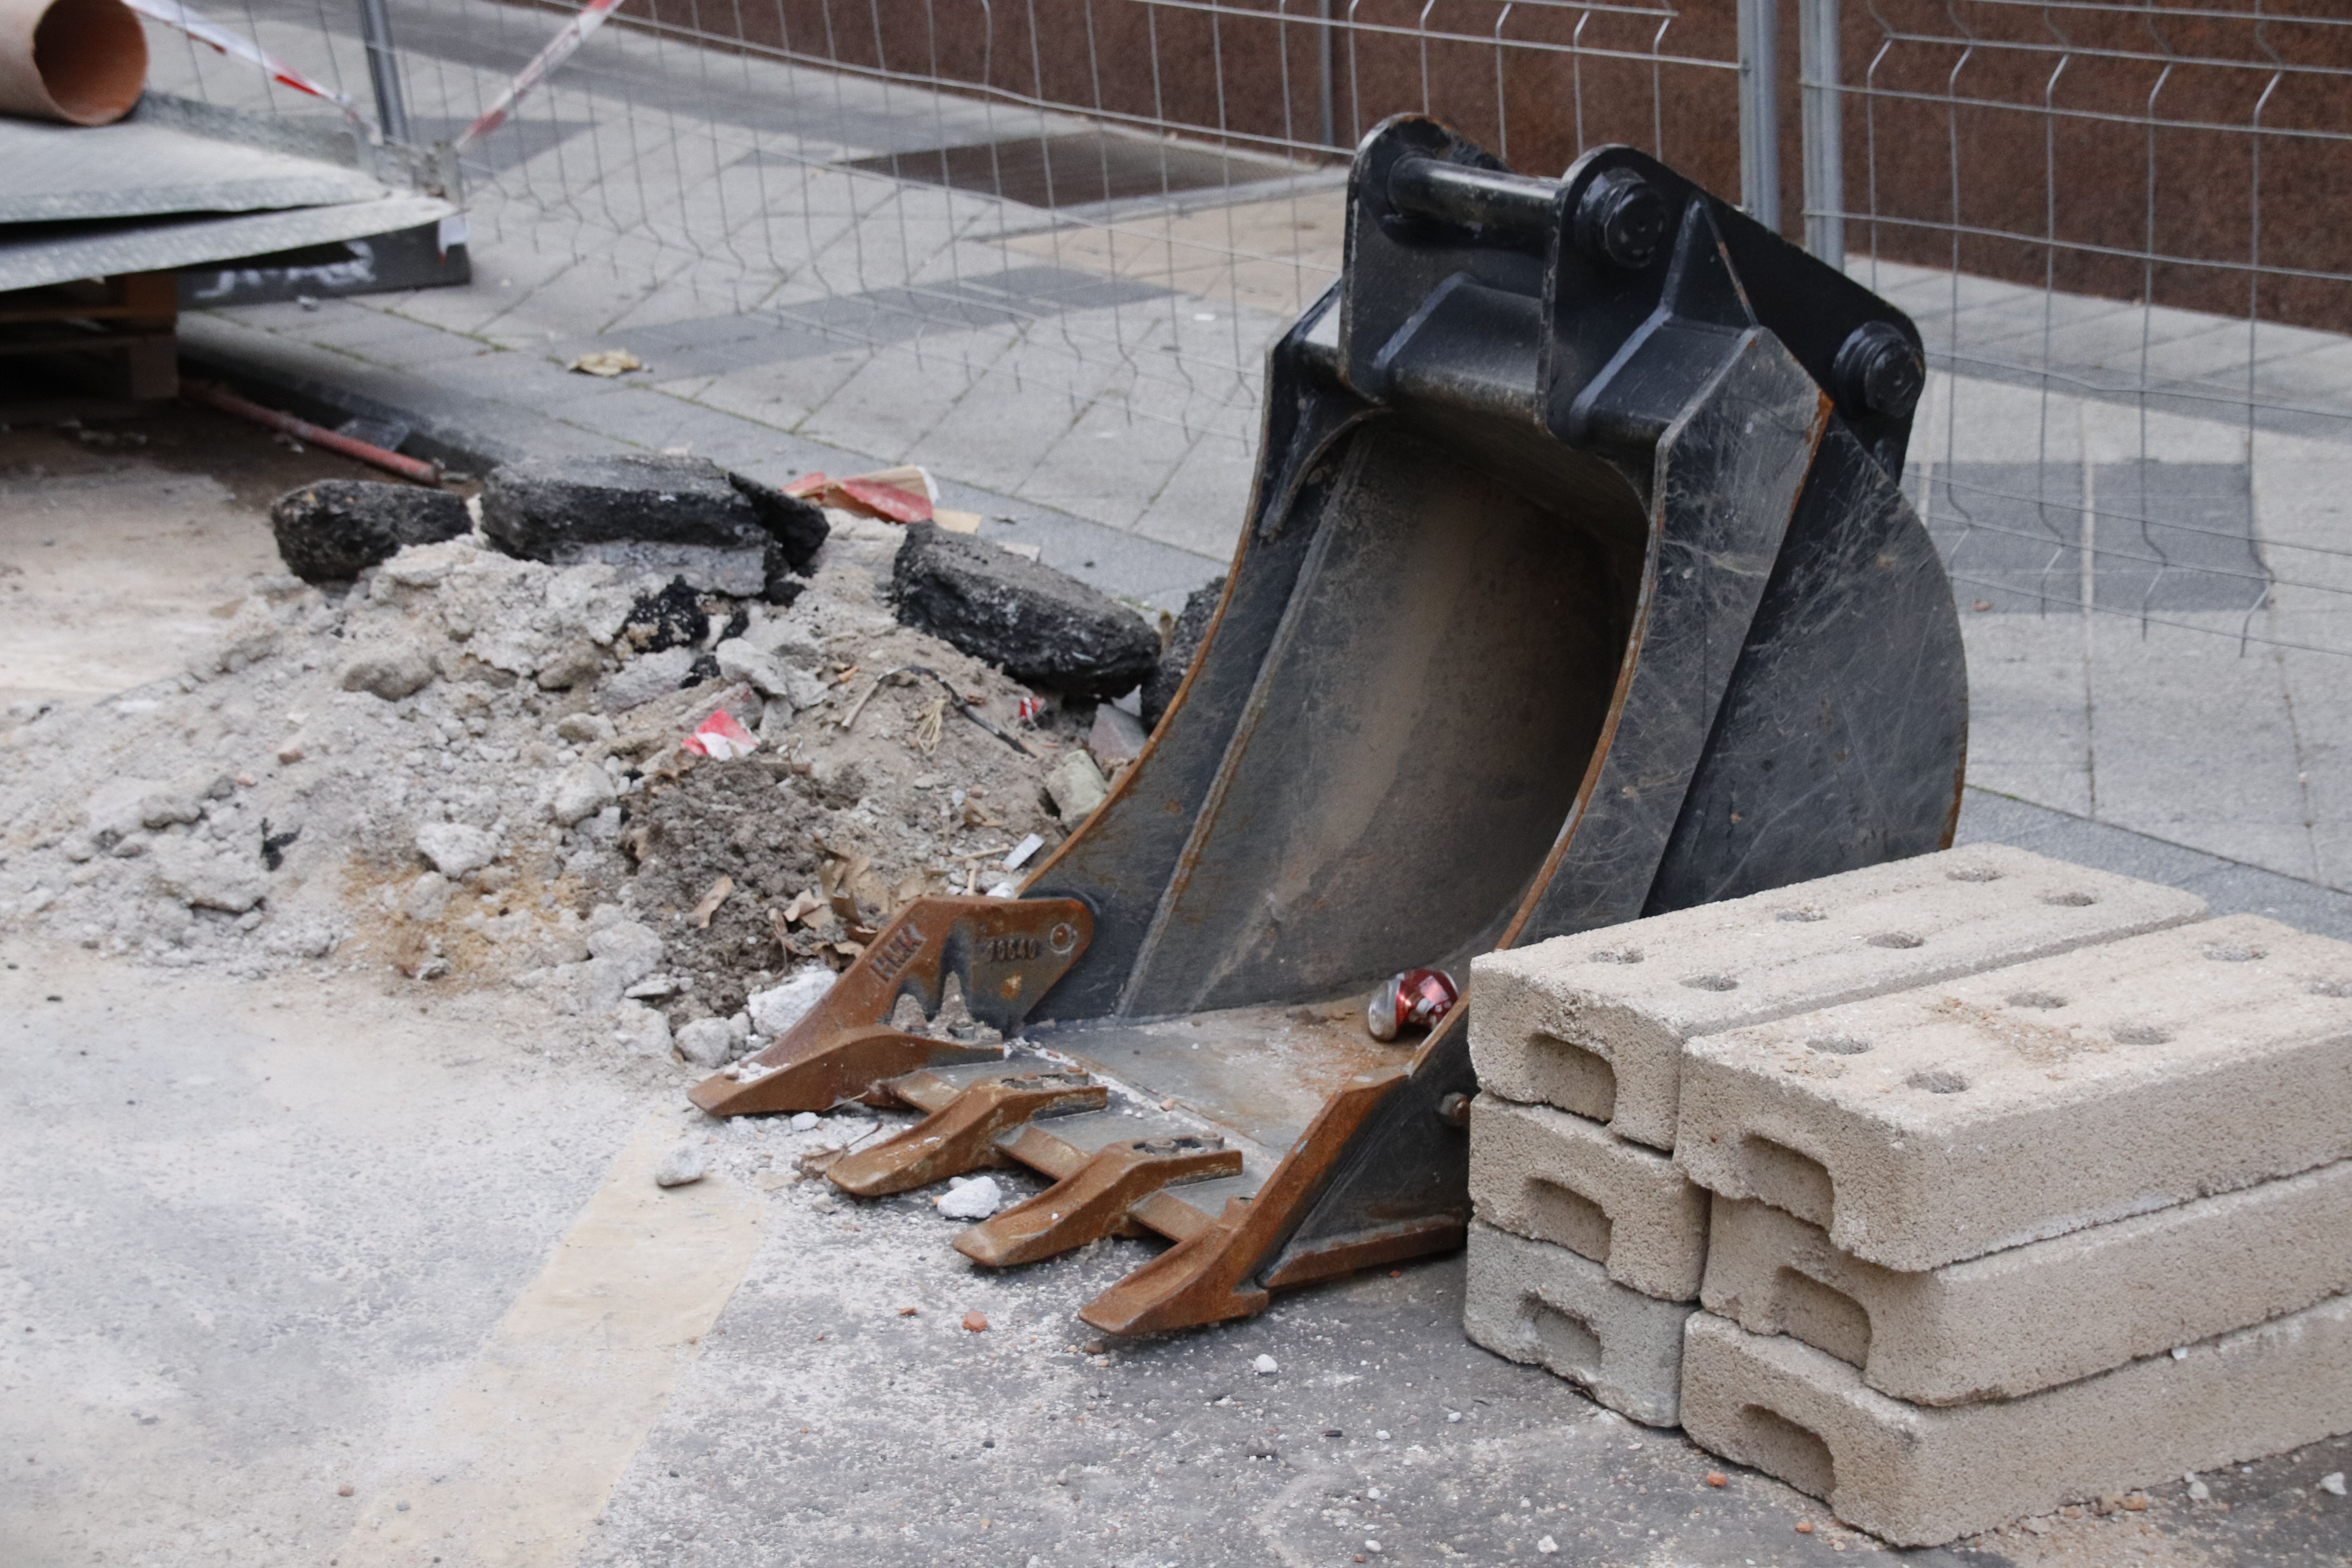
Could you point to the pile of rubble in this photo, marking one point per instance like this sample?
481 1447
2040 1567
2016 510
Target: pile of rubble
647 738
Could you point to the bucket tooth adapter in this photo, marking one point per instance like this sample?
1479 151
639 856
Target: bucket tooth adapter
1577 584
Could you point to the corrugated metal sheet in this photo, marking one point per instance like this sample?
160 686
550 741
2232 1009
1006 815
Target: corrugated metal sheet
51 173
32 256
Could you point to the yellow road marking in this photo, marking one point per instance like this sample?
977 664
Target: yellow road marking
523 1455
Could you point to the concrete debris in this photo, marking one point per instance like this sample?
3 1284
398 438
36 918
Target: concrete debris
390 673
1037 625
767 673
1184 640
647 677
1077 785
775 1010
427 897
201 878
684 1165
332 531
974 1199
1265 1366
455 848
708 1043
2332 1483
582 791
642 1029
804 1121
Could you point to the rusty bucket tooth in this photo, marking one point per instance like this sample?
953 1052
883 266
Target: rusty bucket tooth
1005 954
1093 1201
849 1066
961 1135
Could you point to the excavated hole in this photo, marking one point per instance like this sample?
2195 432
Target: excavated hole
2233 954
1803 916
1942 1080
2141 1034
1618 956
2330 988
1711 982
2041 999
1974 874
2070 900
1837 1045
1898 939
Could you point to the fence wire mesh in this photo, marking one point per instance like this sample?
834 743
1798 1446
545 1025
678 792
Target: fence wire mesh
974 225
2114 224
1116 204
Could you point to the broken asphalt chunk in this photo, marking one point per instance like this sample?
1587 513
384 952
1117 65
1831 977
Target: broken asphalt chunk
1039 625
332 531
683 517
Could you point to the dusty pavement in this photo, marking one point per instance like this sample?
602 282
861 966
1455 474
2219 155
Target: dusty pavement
263 1242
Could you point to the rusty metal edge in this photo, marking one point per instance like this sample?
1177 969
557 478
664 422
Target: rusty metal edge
1206 1279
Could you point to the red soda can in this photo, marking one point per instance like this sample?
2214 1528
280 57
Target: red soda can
1415 999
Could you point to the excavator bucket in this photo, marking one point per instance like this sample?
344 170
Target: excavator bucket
1577 584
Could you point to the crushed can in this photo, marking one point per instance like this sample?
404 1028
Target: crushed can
1416 999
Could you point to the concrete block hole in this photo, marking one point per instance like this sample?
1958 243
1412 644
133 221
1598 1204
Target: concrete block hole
1575 1078
1786 1451
1569 1218
1788 1180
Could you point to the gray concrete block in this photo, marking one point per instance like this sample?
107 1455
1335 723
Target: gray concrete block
1539 1172
1534 1302
1960 1119
2031 1317
1595 1022
1919 1477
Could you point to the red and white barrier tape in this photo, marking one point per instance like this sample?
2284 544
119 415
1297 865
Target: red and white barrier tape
207 31
560 47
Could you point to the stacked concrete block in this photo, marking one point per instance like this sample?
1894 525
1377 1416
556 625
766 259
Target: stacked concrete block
1546 1174
2028 1318
1596 1024
1538 1302
1590 1241
1984 1246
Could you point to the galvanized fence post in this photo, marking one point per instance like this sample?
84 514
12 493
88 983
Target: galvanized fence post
1822 127
1760 111
383 72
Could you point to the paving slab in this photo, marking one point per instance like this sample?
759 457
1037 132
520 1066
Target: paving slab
2028 1318
1534 1302
1996 1110
1595 1024
1919 1477
1540 1172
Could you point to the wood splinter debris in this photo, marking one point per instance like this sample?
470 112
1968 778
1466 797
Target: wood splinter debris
699 916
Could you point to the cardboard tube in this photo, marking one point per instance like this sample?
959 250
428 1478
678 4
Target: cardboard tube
81 61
